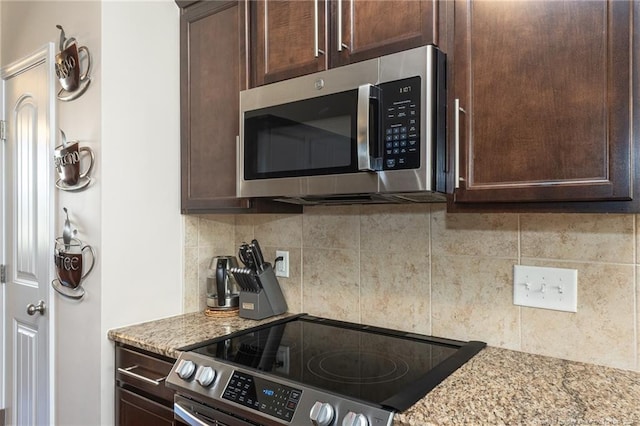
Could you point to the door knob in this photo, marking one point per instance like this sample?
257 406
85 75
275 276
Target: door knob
32 309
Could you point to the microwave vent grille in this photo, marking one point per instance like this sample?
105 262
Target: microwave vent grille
392 198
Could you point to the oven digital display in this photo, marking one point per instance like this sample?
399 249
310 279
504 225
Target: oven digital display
263 395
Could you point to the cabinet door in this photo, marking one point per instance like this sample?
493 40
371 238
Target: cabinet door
545 97
136 410
365 29
212 75
213 71
288 39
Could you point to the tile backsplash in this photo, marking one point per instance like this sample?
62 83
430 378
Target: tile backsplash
418 268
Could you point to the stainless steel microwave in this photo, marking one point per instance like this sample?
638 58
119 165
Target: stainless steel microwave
369 132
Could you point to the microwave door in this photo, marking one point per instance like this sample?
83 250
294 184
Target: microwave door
311 137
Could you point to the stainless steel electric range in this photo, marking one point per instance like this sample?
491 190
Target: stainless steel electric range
305 370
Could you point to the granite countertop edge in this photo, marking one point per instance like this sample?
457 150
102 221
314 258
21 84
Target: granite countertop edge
497 386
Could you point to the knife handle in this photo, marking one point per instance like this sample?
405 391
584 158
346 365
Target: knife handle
257 251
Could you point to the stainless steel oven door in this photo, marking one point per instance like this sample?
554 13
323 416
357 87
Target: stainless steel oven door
196 414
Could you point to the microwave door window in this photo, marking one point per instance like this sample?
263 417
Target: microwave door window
300 147
311 137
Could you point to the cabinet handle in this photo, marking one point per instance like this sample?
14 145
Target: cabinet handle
316 34
339 25
127 372
456 138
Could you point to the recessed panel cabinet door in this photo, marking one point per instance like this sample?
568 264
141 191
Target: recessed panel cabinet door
288 39
365 29
211 79
544 90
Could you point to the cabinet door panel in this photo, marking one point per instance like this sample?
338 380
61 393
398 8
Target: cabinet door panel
135 410
284 39
211 81
545 88
366 29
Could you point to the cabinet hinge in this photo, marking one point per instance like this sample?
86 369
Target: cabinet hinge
3 130
3 274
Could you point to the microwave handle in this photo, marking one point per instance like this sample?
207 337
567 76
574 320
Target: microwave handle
366 139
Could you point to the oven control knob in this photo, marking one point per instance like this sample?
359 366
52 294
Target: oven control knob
321 414
185 369
353 419
205 376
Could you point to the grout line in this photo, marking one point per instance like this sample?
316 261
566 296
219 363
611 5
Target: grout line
519 234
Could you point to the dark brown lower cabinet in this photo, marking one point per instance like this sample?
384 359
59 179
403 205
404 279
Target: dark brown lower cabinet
142 399
134 409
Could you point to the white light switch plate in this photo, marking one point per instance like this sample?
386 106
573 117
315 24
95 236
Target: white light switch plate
547 288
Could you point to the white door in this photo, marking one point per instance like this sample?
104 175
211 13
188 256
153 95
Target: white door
28 106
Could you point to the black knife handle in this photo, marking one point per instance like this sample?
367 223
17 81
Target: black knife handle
257 251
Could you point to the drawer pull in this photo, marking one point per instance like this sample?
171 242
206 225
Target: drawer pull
127 372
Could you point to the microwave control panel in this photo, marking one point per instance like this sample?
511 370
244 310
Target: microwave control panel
401 124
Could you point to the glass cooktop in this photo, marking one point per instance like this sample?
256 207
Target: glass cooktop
379 366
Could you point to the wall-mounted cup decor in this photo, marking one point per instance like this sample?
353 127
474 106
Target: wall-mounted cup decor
67 158
68 63
70 264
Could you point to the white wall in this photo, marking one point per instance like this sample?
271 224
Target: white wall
130 213
141 185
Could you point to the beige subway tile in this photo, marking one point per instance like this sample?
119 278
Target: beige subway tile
472 299
601 332
395 290
191 224
278 230
331 227
217 231
191 288
330 283
244 229
395 227
582 237
473 234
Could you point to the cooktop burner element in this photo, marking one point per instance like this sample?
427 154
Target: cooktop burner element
278 373
371 367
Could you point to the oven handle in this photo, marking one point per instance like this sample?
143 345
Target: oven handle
196 413
367 132
186 416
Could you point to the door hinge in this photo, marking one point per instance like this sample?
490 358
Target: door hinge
3 130
3 274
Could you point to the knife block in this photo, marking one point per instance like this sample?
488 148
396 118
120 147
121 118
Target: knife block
266 302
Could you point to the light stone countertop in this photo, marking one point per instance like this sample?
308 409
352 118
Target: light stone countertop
167 335
496 387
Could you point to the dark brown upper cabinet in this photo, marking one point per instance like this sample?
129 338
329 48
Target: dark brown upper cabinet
213 71
293 38
546 112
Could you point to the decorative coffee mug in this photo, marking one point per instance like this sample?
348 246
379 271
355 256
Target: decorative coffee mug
68 67
68 259
67 162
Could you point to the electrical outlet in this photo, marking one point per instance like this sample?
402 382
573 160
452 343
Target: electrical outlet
547 288
282 267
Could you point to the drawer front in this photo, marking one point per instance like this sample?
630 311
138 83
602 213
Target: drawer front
144 372
135 410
